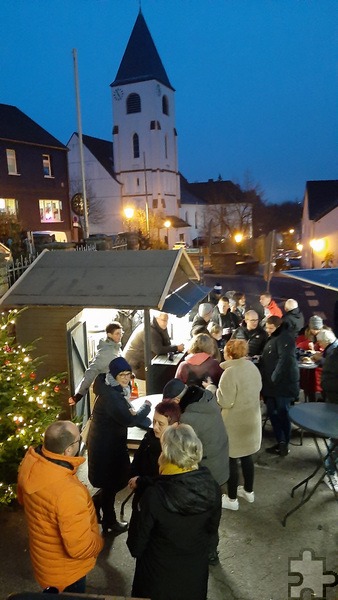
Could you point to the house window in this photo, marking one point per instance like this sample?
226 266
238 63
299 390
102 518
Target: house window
155 125
133 104
136 146
165 105
47 169
155 203
115 129
11 162
163 203
8 205
50 211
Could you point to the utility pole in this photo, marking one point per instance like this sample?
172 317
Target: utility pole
79 125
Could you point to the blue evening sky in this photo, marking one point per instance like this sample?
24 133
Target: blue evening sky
255 80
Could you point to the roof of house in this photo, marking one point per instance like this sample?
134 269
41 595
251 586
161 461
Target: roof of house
102 279
102 150
322 197
141 61
176 222
187 196
216 192
15 126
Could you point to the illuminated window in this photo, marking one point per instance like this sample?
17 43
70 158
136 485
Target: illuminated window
11 162
47 169
133 104
8 205
50 211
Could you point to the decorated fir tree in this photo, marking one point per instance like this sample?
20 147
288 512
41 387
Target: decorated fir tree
27 405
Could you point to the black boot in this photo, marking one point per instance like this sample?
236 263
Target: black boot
97 501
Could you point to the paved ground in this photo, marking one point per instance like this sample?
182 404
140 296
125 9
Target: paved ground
255 548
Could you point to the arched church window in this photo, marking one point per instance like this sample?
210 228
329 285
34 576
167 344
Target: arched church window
133 104
165 105
136 146
166 146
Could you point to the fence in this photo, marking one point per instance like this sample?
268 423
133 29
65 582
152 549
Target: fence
14 269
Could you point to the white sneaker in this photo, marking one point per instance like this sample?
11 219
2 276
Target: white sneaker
228 503
333 484
248 496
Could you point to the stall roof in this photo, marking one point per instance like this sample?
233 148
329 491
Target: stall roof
327 278
123 279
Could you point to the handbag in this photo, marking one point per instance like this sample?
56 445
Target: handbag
85 430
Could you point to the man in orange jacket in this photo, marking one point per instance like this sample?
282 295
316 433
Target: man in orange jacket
64 537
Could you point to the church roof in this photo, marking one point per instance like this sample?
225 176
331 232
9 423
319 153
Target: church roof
187 197
322 197
102 150
216 192
141 61
15 126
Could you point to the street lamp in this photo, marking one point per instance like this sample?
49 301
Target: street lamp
129 213
238 237
167 224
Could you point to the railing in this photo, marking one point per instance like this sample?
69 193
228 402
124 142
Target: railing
12 270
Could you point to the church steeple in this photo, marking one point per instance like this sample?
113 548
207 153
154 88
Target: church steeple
141 61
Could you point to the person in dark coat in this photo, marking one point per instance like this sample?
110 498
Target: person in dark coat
330 377
144 467
293 318
251 332
160 343
202 319
223 316
178 514
280 377
108 458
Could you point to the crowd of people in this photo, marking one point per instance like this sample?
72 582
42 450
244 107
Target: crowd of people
196 459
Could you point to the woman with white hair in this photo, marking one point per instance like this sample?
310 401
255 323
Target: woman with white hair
178 516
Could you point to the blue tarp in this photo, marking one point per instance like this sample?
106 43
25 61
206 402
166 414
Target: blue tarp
327 278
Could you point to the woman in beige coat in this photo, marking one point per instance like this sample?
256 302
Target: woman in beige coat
238 395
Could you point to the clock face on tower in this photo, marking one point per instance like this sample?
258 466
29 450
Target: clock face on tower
118 94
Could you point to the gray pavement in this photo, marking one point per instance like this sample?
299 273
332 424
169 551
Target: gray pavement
254 549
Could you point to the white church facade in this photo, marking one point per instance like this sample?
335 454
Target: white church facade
139 169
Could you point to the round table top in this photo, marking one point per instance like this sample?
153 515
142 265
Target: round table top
319 418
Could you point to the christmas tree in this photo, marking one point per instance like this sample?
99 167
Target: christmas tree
27 406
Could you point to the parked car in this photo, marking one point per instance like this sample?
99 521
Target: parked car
180 245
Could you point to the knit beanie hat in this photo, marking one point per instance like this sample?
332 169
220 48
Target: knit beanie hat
118 365
205 309
315 322
175 388
217 288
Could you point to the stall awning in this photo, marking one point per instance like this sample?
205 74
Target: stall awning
181 301
327 278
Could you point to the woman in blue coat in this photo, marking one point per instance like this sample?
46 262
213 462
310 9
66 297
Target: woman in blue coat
108 457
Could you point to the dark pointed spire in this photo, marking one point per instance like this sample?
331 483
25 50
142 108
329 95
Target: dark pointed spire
141 61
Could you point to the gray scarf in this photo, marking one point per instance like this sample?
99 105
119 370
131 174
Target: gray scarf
110 380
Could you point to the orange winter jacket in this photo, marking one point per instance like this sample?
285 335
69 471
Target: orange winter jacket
64 537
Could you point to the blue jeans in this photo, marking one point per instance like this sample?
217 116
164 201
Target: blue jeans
278 413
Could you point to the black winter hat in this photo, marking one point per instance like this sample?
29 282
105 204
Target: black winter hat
175 388
118 365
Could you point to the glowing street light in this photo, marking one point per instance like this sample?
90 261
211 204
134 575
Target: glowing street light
129 213
238 237
318 245
167 224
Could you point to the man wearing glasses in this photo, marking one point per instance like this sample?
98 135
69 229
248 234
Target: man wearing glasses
252 332
64 537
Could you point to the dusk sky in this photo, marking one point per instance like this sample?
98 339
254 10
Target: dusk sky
256 80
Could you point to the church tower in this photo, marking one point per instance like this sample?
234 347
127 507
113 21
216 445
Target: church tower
144 134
